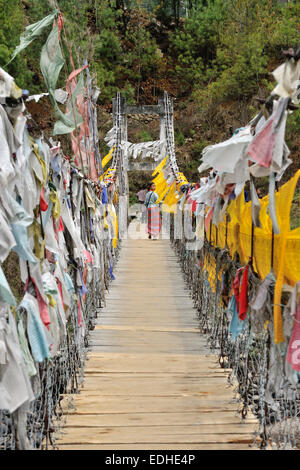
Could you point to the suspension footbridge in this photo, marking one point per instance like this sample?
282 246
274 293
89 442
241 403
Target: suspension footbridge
151 382
124 342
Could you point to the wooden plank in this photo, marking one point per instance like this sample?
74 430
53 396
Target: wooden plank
161 446
133 384
145 328
99 404
156 419
157 434
118 362
150 380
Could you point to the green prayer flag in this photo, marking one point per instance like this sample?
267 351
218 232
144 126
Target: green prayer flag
51 61
32 32
51 64
72 119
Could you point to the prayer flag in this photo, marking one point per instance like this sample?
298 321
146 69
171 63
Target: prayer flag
32 32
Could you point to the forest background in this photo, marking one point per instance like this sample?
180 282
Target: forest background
214 57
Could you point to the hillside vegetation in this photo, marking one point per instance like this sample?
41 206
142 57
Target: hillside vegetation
214 56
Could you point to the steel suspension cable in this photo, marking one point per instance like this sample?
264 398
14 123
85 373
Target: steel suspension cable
118 137
169 124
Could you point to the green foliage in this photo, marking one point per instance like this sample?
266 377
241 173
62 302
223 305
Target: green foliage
295 210
195 45
214 50
133 199
292 127
198 147
282 27
179 138
191 169
12 21
140 54
210 52
249 37
104 149
168 11
144 136
124 52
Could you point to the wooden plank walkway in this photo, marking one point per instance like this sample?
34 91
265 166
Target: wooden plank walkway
150 379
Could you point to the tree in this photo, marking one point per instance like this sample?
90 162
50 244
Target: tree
195 45
12 20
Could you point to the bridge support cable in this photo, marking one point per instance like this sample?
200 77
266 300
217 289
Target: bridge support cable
169 125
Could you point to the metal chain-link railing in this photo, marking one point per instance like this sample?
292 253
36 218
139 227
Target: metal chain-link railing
265 384
56 377
59 218
37 425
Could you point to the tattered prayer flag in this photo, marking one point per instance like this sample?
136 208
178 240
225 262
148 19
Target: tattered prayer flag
107 158
111 273
60 23
88 256
208 219
51 64
32 32
293 355
72 120
80 143
73 75
79 314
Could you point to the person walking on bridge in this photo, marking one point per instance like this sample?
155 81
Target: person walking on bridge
142 195
154 219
